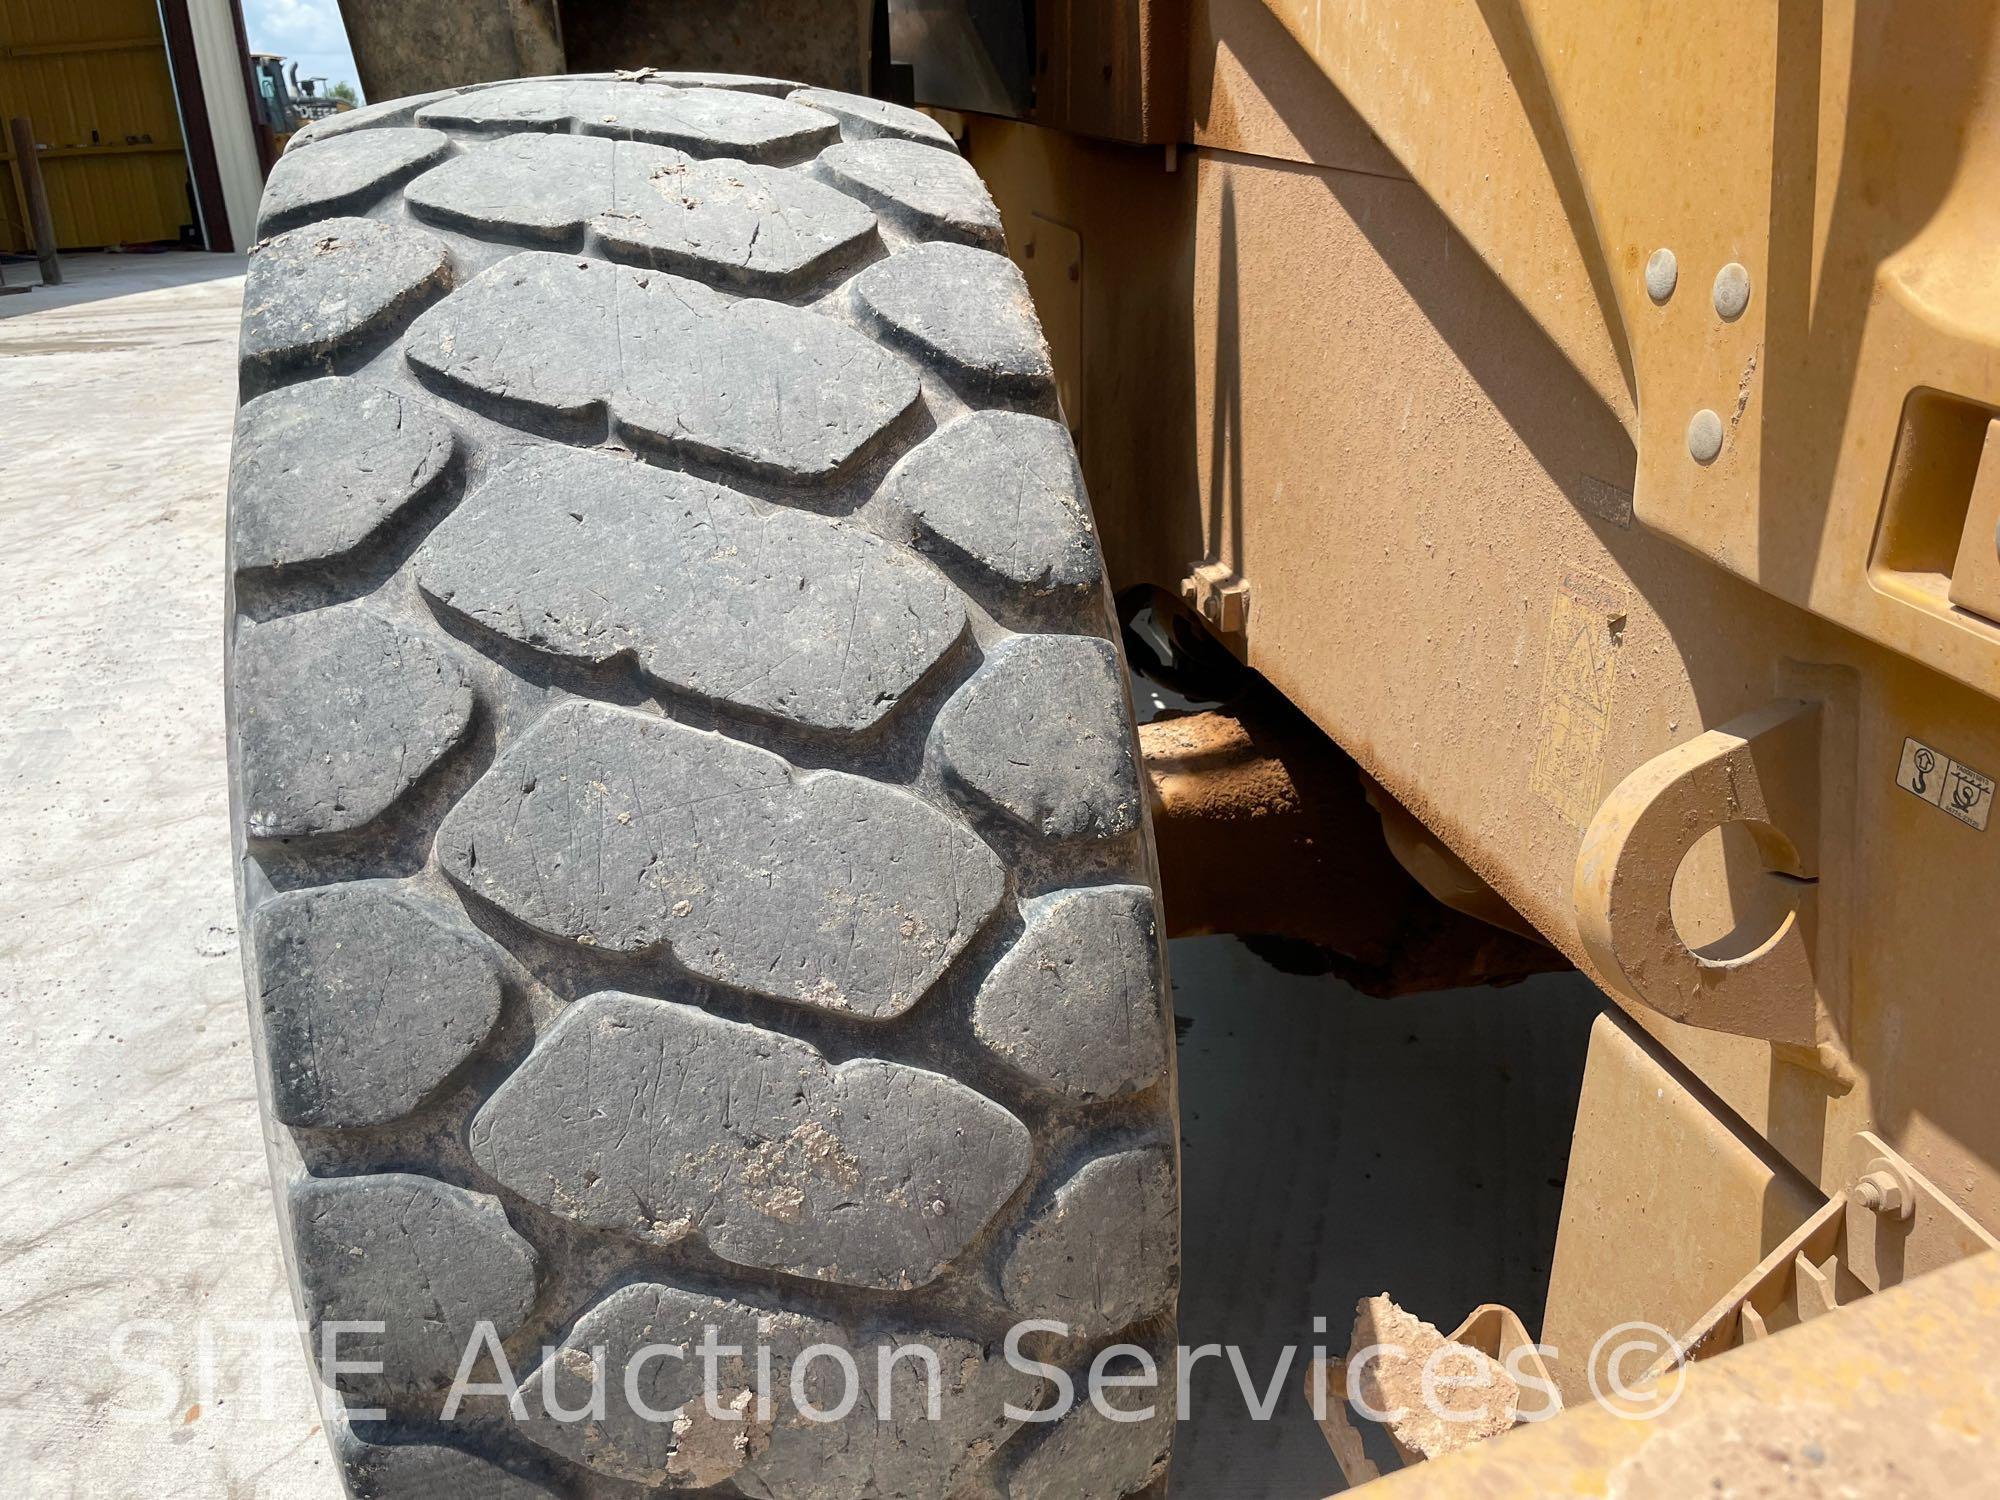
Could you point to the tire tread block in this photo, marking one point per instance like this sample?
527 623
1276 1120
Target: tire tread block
1040 733
427 1261
320 467
734 223
891 1450
771 610
751 385
369 998
353 170
314 293
1074 1005
865 119
630 832
965 311
701 121
936 192
1102 1253
339 711
660 1121
1004 491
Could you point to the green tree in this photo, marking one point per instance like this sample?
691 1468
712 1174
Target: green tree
343 92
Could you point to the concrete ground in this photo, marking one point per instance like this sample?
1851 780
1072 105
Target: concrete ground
137 1264
1335 1146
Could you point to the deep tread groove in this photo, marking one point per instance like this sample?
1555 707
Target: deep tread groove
1071 835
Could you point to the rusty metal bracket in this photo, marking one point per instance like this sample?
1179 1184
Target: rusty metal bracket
1762 771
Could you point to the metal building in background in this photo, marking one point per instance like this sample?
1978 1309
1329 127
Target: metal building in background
141 121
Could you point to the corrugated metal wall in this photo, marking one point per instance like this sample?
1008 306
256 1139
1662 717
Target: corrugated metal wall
92 76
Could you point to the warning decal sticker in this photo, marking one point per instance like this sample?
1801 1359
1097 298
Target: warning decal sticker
1946 784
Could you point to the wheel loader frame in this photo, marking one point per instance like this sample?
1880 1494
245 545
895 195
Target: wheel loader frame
1585 413
1378 345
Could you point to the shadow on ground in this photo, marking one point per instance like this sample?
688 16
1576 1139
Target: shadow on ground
1336 1146
93 276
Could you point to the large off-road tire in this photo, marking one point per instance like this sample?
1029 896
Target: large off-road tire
693 860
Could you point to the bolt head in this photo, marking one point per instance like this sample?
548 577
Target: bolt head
1705 436
1732 292
1663 274
1880 1192
1883 1190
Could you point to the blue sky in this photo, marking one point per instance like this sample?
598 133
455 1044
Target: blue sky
308 32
